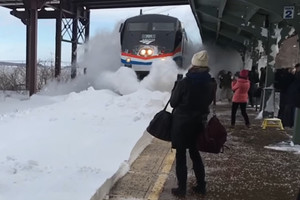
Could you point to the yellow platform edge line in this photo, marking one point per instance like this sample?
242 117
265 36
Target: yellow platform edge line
159 183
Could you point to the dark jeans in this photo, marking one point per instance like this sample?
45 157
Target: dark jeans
243 110
181 167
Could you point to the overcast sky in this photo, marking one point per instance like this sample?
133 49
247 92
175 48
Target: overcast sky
13 31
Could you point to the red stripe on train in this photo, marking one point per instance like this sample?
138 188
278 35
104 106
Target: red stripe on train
152 57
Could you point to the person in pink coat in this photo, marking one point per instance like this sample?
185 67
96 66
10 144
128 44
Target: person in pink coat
240 87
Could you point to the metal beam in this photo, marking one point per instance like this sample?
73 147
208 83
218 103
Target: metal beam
232 21
221 8
209 11
220 15
226 33
251 12
44 14
34 4
275 8
96 4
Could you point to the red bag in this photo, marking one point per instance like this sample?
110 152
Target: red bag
213 138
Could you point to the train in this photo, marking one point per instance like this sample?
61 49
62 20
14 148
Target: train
148 37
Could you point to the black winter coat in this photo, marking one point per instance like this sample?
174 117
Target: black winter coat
297 90
190 100
293 92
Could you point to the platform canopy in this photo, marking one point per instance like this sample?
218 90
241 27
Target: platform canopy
236 23
240 23
98 4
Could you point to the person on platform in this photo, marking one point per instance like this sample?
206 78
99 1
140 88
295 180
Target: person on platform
225 86
284 77
240 87
254 79
262 77
293 99
190 100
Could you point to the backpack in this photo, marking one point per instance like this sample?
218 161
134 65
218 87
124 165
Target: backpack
213 138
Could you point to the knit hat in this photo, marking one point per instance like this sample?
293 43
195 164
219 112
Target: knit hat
200 59
244 73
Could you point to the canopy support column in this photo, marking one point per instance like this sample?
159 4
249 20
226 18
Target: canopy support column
31 62
58 39
74 42
268 103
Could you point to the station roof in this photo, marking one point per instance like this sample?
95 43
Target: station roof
239 23
236 23
98 4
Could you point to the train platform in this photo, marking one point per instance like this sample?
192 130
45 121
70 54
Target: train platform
249 170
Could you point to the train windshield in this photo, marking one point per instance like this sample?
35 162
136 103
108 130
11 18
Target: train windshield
138 26
163 27
162 33
155 26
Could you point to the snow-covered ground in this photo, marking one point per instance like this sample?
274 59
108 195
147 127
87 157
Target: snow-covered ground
66 146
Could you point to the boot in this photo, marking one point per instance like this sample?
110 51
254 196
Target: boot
200 188
179 192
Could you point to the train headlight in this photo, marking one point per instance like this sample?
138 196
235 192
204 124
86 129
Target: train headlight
149 52
146 51
128 60
143 52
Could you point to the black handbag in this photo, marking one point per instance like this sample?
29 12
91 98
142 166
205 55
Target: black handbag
160 125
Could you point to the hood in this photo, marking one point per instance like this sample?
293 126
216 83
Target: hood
195 76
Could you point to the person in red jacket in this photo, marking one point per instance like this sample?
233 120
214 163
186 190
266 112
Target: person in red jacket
240 87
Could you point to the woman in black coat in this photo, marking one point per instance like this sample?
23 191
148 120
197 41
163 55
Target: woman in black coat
190 100
292 98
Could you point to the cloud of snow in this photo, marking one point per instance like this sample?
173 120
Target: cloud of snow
264 32
223 58
259 47
248 61
275 47
123 81
101 58
162 76
262 62
104 71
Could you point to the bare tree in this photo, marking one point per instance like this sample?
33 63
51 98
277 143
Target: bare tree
14 77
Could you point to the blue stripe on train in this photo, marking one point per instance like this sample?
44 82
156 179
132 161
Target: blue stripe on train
142 63
135 62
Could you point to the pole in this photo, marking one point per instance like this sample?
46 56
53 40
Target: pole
74 45
32 54
58 38
296 135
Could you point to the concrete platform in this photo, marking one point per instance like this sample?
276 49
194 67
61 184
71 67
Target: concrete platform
147 174
246 171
